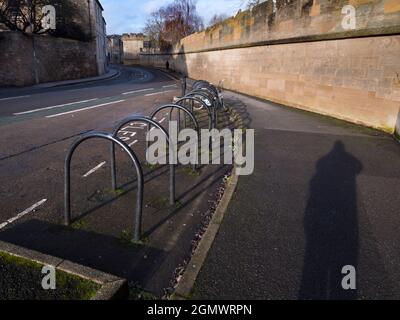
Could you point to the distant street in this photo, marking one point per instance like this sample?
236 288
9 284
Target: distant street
18 105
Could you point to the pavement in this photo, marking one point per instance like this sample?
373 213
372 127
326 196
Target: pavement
324 194
113 71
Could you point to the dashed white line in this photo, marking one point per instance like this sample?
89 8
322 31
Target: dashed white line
53 107
153 94
137 91
131 144
83 109
87 174
23 213
12 98
74 90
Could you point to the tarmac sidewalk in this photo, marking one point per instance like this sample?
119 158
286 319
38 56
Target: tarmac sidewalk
324 195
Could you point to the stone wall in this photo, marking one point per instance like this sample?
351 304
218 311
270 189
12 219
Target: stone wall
132 47
301 56
57 59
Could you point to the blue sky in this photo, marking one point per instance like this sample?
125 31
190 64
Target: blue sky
130 15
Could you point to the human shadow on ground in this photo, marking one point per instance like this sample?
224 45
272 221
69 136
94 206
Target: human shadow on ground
331 226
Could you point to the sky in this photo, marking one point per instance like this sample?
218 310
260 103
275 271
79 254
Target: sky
124 16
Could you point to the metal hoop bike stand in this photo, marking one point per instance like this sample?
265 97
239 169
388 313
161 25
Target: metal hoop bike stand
139 172
193 99
149 122
186 111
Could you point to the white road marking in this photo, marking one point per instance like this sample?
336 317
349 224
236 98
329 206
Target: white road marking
131 144
12 98
87 174
170 86
23 213
83 109
53 107
136 91
153 94
135 125
73 90
126 132
131 127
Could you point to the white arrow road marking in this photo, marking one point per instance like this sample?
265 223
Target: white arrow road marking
53 107
127 132
87 174
23 213
135 125
83 109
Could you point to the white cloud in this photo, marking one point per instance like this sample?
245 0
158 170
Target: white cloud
152 5
130 15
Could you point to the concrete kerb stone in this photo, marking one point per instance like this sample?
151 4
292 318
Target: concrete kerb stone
185 286
112 287
113 73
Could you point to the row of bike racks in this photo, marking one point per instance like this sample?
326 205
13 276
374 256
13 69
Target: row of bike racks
203 93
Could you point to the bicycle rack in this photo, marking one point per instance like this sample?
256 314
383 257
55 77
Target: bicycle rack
201 85
139 172
206 86
194 99
158 126
200 88
211 101
205 94
175 106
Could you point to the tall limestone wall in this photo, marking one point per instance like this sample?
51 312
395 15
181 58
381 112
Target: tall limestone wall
305 54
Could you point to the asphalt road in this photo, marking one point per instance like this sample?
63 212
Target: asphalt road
38 125
36 132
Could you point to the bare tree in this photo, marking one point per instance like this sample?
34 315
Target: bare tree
173 22
253 3
277 4
217 18
26 16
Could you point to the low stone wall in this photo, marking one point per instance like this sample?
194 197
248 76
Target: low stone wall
56 59
305 60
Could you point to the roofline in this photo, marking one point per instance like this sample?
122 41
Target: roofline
101 7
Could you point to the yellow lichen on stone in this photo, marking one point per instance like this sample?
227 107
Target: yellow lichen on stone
392 6
360 2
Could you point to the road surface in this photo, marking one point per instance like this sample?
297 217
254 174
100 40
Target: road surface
38 125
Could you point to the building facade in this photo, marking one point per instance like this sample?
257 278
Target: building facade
115 49
99 34
31 59
133 44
